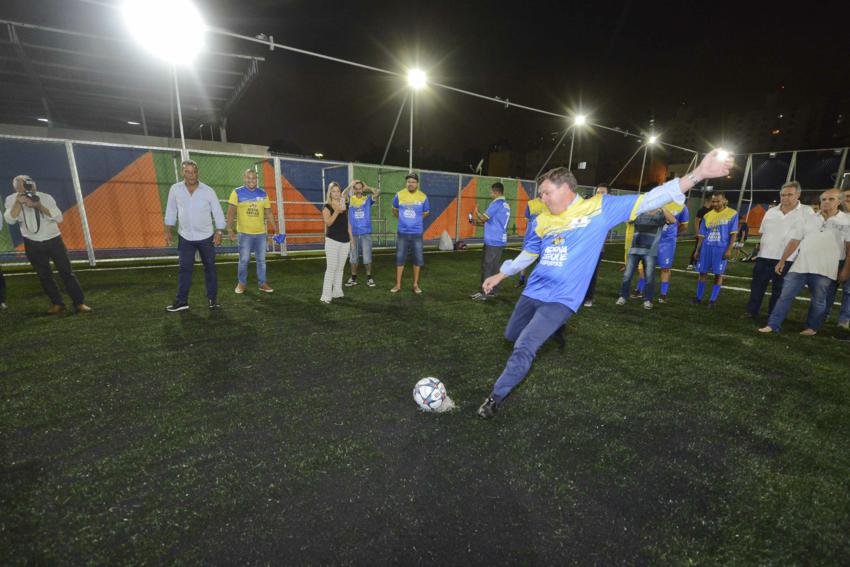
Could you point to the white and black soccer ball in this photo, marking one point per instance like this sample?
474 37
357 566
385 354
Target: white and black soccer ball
429 394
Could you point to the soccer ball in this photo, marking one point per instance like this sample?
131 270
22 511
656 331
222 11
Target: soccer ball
429 394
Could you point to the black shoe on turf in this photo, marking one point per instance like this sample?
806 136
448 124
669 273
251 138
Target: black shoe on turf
177 306
488 408
696 301
214 304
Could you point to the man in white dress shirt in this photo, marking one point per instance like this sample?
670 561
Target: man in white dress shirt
194 207
38 217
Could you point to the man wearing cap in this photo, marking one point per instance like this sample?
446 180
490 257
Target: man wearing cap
410 206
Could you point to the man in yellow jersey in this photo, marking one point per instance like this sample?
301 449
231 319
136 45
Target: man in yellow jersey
250 204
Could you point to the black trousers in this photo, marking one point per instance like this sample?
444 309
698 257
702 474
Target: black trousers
39 254
763 274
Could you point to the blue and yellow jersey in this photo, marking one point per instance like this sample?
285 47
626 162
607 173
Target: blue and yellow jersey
411 210
671 231
718 227
496 227
360 214
250 209
568 245
534 208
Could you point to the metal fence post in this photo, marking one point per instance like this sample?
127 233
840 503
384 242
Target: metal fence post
839 175
281 218
791 168
747 171
81 206
457 220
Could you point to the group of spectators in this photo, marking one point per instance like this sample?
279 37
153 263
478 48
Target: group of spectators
798 247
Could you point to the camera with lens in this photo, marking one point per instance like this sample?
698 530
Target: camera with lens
29 190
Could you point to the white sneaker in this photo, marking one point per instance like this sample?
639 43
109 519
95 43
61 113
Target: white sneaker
844 324
350 282
647 305
588 303
690 267
621 301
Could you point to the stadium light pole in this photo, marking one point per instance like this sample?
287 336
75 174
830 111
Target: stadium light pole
651 141
579 120
416 80
162 28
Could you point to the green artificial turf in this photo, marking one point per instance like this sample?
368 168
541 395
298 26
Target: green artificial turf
280 430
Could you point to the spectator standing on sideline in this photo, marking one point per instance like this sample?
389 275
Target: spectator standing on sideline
645 239
411 207
337 242
360 203
495 221
714 245
194 208
39 218
775 234
250 204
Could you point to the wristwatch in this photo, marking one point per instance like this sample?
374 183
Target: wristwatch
693 178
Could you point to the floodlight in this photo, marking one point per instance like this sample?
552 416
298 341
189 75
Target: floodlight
131 123
653 139
416 78
580 120
173 30
319 155
42 119
723 154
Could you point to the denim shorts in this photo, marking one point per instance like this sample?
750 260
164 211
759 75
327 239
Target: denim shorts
409 243
361 244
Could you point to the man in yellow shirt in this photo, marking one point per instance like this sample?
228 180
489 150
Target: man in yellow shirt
253 209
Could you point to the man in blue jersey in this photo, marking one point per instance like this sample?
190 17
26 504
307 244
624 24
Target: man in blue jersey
495 221
714 246
566 239
667 245
361 198
410 206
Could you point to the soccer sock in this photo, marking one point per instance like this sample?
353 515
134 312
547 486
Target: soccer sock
715 291
700 289
640 285
664 287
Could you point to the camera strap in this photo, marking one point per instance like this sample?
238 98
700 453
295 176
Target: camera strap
37 220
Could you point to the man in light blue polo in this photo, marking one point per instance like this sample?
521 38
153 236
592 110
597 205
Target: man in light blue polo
410 206
567 239
194 207
495 221
361 198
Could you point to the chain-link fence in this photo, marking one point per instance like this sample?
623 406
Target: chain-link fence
113 197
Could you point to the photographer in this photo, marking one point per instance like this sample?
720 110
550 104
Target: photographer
38 217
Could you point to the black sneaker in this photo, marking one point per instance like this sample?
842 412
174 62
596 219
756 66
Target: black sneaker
696 301
214 304
370 282
488 408
177 306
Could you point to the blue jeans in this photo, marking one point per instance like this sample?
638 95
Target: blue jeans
648 271
764 273
818 291
844 315
187 249
532 323
255 243
407 243
361 244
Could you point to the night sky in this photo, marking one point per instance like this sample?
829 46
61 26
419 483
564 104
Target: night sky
622 62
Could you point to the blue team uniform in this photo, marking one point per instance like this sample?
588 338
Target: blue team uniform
496 227
667 244
716 229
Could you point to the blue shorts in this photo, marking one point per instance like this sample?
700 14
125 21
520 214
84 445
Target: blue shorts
711 260
666 253
409 243
361 244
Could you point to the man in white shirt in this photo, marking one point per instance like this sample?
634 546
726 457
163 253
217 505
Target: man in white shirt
194 206
775 227
844 314
38 217
823 241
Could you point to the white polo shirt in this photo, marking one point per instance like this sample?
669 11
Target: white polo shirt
822 245
775 227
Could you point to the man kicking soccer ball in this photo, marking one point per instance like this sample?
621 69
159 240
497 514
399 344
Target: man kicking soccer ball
567 238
